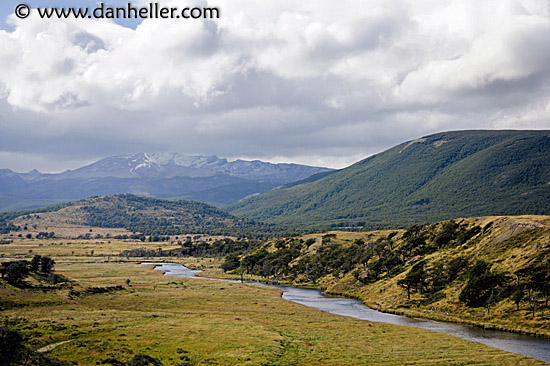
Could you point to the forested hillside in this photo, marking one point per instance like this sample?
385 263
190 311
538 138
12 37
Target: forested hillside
438 177
147 216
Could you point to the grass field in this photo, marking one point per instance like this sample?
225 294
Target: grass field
200 322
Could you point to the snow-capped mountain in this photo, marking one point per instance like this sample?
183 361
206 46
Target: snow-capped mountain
141 165
165 175
169 165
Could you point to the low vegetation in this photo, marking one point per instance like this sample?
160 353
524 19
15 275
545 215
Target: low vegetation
193 322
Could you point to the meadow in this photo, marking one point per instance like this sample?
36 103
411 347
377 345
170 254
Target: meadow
184 321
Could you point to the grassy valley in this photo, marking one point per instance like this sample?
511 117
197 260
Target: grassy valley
450 227
113 310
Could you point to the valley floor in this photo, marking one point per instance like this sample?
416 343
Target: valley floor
192 322
116 308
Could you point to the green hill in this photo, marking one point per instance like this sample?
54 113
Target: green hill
141 215
438 177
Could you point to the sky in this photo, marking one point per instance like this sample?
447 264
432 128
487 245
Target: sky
313 81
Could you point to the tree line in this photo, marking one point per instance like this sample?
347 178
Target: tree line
217 248
405 255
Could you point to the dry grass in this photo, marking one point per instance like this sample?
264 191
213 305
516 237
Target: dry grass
511 244
196 321
221 323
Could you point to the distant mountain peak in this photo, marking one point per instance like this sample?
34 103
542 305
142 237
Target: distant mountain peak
173 164
207 179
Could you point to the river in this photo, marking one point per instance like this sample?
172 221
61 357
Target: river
511 342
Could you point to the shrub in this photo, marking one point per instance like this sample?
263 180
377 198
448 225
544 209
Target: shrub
143 360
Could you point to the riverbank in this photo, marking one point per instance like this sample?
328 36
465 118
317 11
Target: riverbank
522 344
387 297
191 321
446 318
492 272
365 293
211 267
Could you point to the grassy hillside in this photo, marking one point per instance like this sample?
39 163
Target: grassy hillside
490 271
141 215
452 174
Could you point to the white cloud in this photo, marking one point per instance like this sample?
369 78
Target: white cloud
508 52
315 80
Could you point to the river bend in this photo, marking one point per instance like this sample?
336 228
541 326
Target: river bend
511 342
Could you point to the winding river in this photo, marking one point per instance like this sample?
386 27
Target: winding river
511 342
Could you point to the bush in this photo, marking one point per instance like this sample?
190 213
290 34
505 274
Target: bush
143 360
13 352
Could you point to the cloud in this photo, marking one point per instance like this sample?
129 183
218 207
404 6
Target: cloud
319 80
506 53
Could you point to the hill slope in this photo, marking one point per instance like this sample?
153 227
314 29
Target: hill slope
142 215
452 174
491 271
206 179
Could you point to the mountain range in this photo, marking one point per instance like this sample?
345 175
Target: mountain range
438 177
207 179
433 178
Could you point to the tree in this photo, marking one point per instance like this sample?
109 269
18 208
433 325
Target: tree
46 265
446 234
437 277
455 267
483 290
231 262
518 295
35 263
42 264
536 280
415 279
14 353
11 348
479 268
16 272
407 284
